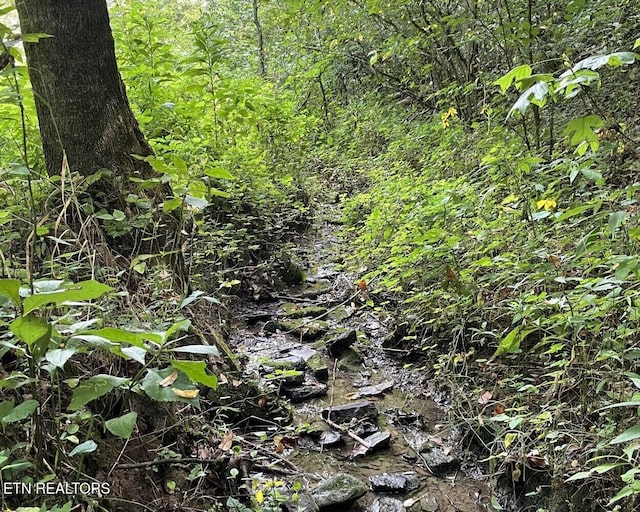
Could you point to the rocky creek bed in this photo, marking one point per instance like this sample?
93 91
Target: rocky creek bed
364 433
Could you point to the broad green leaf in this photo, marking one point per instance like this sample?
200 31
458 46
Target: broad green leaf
628 435
196 371
86 447
32 330
21 411
615 220
59 356
11 288
196 202
217 172
151 386
118 336
582 130
515 75
83 291
136 353
198 349
171 204
5 408
597 61
93 388
511 342
180 325
536 95
122 426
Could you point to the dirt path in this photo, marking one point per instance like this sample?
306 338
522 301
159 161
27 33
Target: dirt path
320 347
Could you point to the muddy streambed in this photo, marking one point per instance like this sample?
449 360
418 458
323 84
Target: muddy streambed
355 410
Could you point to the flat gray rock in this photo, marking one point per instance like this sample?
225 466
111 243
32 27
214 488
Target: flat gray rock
345 413
339 492
395 482
386 504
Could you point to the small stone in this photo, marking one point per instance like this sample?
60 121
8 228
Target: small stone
330 438
295 311
374 442
439 461
429 504
376 390
386 504
318 367
345 413
284 363
319 288
309 389
339 344
305 353
304 503
338 492
394 482
307 330
257 316
351 360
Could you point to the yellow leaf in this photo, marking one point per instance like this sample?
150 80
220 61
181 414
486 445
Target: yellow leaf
547 204
508 439
186 393
167 381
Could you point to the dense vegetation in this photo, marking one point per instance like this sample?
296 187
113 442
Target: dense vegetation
485 156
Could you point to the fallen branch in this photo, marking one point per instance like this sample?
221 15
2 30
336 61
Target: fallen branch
348 432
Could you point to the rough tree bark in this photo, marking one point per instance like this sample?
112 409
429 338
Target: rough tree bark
84 113
81 100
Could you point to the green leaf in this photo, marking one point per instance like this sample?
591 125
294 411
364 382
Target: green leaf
118 336
58 357
5 408
93 388
31 329
151 386
35 37
11 288
122 426
615 220
628 435
171 204
86 447
594 62
536 95
196 371
217 172
86 290
196 202
510 344
21 412
198 349
515 75
582 129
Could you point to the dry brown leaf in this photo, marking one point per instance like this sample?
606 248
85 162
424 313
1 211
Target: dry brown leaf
279 447
352 396
186 393
237 383
168 380
498 409
555 261
226 442
222 379
262 402
485 397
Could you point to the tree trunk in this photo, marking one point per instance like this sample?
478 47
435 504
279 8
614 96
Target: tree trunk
84 115
81 100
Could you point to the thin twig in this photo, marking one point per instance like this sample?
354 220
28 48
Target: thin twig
348 432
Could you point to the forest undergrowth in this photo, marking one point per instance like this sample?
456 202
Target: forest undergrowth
486 161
